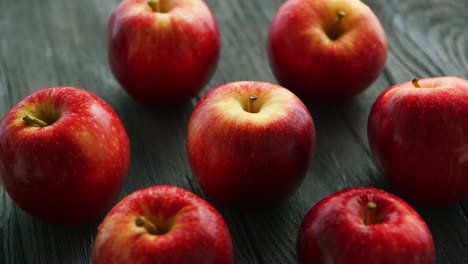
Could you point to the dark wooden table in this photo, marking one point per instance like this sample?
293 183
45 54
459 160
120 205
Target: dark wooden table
55 42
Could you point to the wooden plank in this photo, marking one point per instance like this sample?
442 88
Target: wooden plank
52 42
426 39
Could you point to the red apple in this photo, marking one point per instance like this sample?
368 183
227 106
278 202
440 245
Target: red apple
364 226
163 224
249 143
326 50
163 52
418 134
64 155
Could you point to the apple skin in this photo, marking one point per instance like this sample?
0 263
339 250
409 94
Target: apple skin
246 159
70 171
163 58
419 138
334 231
190 230
306 60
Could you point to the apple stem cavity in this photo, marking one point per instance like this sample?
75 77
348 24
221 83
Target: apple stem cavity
154 4
150 227
34 121
252 99
369 216
415 82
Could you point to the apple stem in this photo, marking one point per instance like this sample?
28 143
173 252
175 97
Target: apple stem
415 82
31 120
154 4
339 16
336 28
252 99
370 213
150 227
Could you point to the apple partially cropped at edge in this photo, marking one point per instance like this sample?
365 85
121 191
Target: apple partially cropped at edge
326 50
418 134
249 144
163 52
364 226
163 224
64 155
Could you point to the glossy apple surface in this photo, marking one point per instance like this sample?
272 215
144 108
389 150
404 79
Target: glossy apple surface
418 134
364 226
326 50
64 155
249 143
163 224
163 52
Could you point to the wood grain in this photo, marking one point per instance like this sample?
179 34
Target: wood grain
51 42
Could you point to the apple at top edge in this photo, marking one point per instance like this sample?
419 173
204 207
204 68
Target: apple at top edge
163 52
64 155
249 144
326 50
418 134
364 226
163 224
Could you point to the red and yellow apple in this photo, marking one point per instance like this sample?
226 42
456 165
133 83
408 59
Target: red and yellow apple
162 52
64 155
163 224
418 134
364 226
326 50
249 143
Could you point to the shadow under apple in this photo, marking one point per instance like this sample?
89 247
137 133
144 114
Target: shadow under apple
157 142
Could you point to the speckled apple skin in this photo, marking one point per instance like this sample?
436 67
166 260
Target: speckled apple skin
163 58
199 234
419 139
69 172
333 231
315 67
245 159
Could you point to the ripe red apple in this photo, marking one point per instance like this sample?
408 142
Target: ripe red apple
326 50
64 155
163 52
163 224
249 143
364 226
418 134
